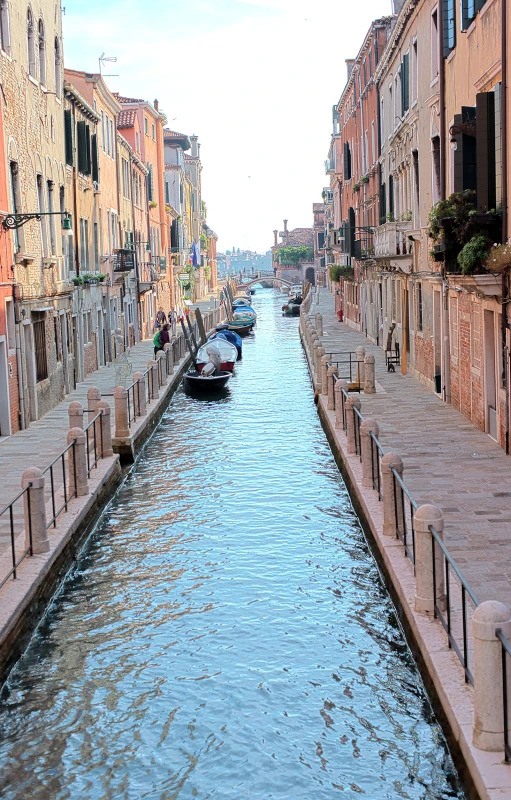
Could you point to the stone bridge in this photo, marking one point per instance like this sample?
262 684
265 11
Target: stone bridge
267 281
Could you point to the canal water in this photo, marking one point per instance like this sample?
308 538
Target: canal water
226 633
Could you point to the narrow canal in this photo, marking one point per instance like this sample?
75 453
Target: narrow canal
226 633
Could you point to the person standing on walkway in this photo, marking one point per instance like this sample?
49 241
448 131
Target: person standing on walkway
164 336
161 318
157 342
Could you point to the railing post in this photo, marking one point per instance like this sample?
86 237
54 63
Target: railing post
338 405
77 463
427 584
368 427
360 353
106 428
153 377
122 428
324 375
319 324
35 510
331 376
351 403
93 398
369 373
488 729
169 353
161 359
140 396
320 352
389 462
75 412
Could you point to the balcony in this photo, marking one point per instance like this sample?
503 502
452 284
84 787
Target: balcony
391 240
124 260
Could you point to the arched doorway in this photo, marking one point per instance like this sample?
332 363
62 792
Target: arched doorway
310 276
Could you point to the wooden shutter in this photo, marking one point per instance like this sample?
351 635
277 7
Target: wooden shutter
448 26
94 153
468 12
82 147
405 84
485 150
345 159
391 194
68 134
150 183
87 150
383 204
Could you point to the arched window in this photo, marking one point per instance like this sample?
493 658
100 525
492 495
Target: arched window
5 34
58 72
31 44
42 52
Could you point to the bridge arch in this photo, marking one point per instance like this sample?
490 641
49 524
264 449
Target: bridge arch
267 279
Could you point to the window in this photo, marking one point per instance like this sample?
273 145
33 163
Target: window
16 204
109 231
58 350
42 52
373 143
347 161
103 130
68 136
5 32
96 246
150 184
391 111
125 178
31 44
449 26
415 160
419 307
51 219
475 341
40 198
11 325
153 132
137 141
435 146
57 69
468 12
94 159
391 194
112 140
434 45
415 72
146 126
84 243
41 362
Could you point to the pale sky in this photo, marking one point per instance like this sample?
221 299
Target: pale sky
254 79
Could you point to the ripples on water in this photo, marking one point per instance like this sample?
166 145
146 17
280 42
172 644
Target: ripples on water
226 634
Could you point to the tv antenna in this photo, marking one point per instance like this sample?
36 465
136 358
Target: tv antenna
102 60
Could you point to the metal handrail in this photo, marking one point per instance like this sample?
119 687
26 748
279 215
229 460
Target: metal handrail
97 456
506 651
29 550
57 512
465 590
376 456
400 515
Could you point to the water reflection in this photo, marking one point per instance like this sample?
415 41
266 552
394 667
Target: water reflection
226 634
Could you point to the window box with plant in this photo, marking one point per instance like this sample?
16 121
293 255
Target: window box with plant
337 272
153 204
356 187
364 179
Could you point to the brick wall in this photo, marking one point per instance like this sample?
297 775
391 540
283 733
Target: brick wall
90 357
424 355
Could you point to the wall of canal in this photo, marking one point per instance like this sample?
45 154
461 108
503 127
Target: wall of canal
226 632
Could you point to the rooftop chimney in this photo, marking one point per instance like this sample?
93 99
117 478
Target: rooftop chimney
397 5
350 63
194 142
275 238
286 232
156 105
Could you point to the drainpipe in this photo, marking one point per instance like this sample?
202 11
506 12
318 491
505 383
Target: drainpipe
505 274
446 366
19 365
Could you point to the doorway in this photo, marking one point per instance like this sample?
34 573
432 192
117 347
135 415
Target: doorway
31 374
5 416
490 377
310 276
437 340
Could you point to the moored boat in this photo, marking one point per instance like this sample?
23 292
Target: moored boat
241 328
228 354
195 381
223 332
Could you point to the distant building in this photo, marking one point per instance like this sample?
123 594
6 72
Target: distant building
283 260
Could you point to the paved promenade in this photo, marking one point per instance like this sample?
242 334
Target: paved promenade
447 461
39 444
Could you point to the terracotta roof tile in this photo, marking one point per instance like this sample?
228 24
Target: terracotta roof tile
174 134
126 118
122 99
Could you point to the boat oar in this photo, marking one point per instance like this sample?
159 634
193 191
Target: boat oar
188 342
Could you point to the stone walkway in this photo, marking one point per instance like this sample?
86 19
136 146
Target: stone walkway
447 461
39 444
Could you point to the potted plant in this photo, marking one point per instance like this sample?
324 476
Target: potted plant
364 179
356 187
78 281
473 254
101 277
153 204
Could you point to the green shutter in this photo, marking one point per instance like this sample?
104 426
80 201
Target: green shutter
405 84
68 133
82 147
448 26
150 183
94 151
485 151
87 150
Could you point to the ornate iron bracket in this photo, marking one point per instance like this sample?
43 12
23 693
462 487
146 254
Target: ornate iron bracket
14 221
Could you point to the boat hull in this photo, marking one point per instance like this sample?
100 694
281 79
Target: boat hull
241 330
225 366
195 383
